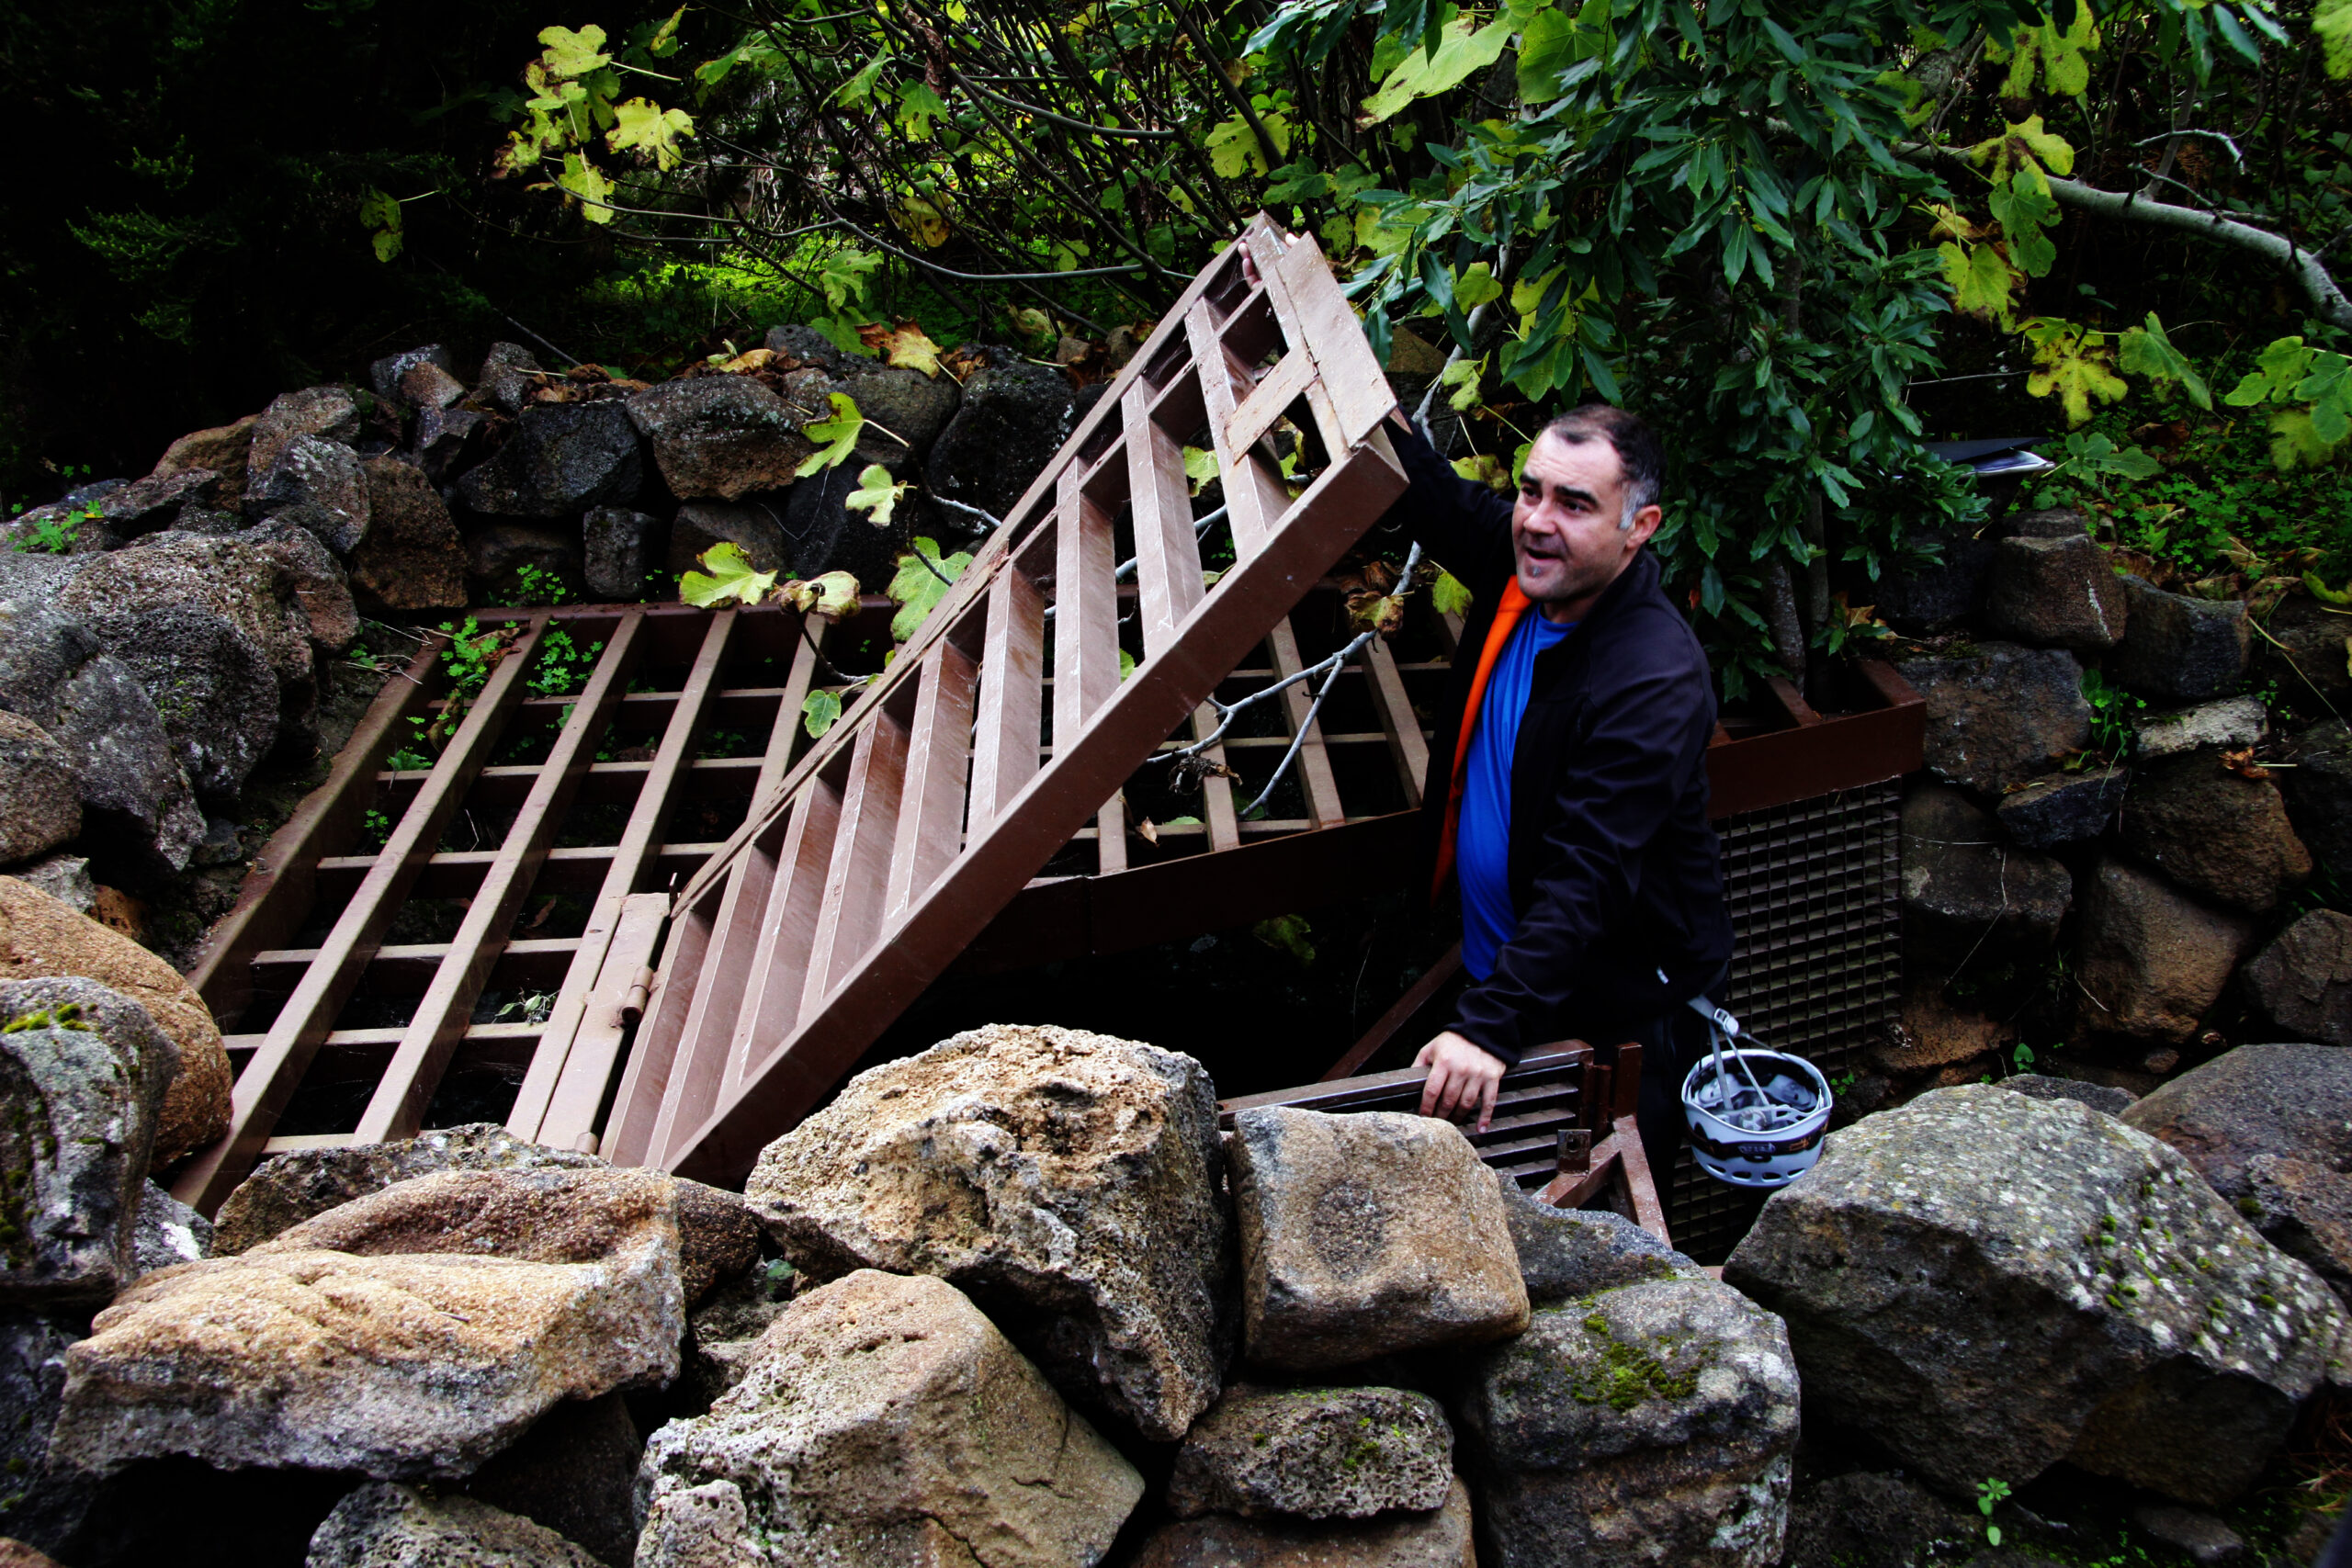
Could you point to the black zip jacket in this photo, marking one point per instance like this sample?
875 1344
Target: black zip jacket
1613 865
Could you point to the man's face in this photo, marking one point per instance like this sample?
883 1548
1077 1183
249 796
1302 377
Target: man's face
1564 530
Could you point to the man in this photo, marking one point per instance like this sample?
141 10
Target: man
1567 792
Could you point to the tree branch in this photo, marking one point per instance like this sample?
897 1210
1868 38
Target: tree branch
2320 284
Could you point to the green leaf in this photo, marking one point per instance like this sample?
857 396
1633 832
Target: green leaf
831 595
838 437
1233 149
730 577
645 125
2295 438
2024 207
876 495
2073 363
1476 287
1486 468
2025 145
2146 351
1981 279
2058 56
1546 49
843 274
1461 53
571 54
918 107
1448 596
587 182
2332 24
1127 664
1463 376
817 711
1289 934
922 582
860 87
1199 467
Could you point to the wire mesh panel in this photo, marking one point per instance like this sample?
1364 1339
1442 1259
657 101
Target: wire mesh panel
1814 890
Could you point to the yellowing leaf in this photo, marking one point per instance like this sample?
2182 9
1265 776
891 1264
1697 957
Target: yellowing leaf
903 343
921 222
1486 468
587 182
2295 439
2058 57
1199 467
1233 150
1476 287
922 582
571 54
1980 280
644 125
1460 52
838 437
1951 225
2025 144
1448 596
729 576
833 596
876 495
1463 374
2073 363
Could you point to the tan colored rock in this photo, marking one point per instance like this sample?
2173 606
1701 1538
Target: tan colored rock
385 1526
41 800
1440 1540
413 558
42 936
1315 1453
334 1349
16 1554
885 1422
2153 959
222 449
1067 1180
1366 1235
1935 1035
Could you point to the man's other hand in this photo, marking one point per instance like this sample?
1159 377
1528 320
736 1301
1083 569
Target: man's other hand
1463 1077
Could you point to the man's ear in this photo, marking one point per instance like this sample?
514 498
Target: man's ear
1646 523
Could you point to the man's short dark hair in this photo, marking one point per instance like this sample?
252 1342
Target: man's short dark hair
1639 455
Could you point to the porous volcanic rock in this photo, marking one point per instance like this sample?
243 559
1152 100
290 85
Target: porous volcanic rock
41 937
233 579
211 684
448 441
806 347
497 555
2056 592
410 1334
2226 724
1934 1031
389 1525
221 451
1012 418
412 557
507 371
328 413
63 877
2215 832
619 551
2064 808
2097 1096
1651 1423
40 801
726 1330
145 506
2302 981
1930 599
2302 652
2180 649
2284 1100
726 435
573 1472
1440 1540
2319 790
754 527
83 1072
1066 1181
886 1420
2152 959
38 1504
1366 1235
1315 1453
905 411
561 459
385 373
1567 1253
1867 1520
321 584
317 485
2000 714
1970 903
2305 1210
289 1189
1987 1283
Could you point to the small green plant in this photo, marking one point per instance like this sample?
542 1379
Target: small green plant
722 743
469 656
537 585
2021 1059
414 757
531 1007
563 665
1989 1493
2113 710
376 829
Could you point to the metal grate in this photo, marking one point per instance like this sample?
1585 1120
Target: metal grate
1814 889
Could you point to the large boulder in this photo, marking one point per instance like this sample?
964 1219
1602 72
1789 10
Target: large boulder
83 1073
412 557
2179 649
1012 418
234 580
2302 652
1987 1283
2302 981
289 1189
1315 1453
386 374
1866 1519
2214 832
727 435
2150 960
318 485
1066 1182
905 411
38 1504
55 673
1366 1235
390 1526
2063 809
320 585
561 459
448 441
1970 903
2283 1100
327 413
2319 791
1439 1540
573 1472
2304 1208
754 527
211 684
886 1421
2055 593
1647 1424
411 1334
41 800
41 937
1564 1254
2099 1097
221 451
1999 715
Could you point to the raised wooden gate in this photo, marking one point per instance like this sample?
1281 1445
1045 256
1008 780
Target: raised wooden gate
1002 727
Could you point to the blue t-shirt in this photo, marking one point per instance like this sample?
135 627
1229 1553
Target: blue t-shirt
1482 834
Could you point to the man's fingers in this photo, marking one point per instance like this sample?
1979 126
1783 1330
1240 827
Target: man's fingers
1429 1088
1488 1095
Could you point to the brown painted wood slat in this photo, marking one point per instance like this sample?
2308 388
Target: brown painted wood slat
858 876
645 1079
1301 285
1314 761
1254 497
931 805
1168 549
1086 638
397 1108
1402 724
530 1115
303 1022
787 931
1011 705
